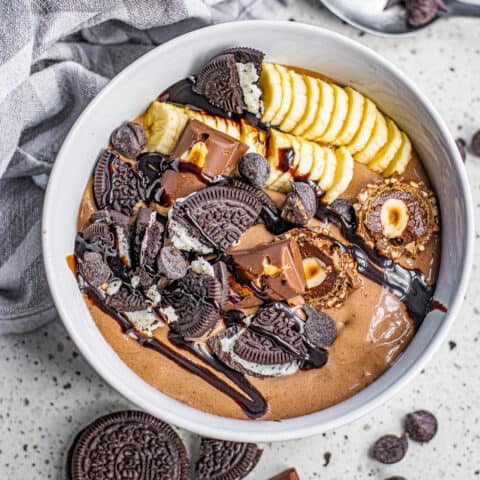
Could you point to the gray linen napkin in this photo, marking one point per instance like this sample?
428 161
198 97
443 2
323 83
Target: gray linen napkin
55 55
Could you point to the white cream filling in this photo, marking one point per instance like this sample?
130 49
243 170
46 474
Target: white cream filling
123 246
227 345
248 77
154 295
169 313
182 240
144 245
200 265
145 321
113 287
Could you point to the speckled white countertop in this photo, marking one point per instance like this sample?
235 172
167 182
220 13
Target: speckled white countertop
48 392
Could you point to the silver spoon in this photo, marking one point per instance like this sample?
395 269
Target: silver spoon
371 16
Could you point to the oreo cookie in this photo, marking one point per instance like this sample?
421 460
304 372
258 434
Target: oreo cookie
102 179
94 269
127 300
110 217
320 329
222 460
196 300
266 201
218 81
171 264
99 237
128 444
218 216
127 188
248 55
129 139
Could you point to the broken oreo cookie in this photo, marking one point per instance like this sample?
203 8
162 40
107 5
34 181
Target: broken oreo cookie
94 269
129 139
127 300
171 264
216 216
128 444
222 460
247 55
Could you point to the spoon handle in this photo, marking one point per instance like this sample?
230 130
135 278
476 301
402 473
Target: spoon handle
463 9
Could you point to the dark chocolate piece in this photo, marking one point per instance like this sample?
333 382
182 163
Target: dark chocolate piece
290 474
94 269
273 268
218 216
171 264
421 426
300 204
255 169
320 329
222 460
475 144
390 448
218 81
128 444
129 139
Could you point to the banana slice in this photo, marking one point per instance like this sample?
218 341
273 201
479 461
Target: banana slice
343 175
318 164
277 143
354 117
323 113
339 115
366 126
313 96
386 154
255 138
233 128
271 85
195 114
282 184
163 123
401 159
287 95
298 104
376 142
306 159
328 175
220 124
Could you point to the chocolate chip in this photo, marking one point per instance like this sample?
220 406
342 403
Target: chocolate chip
396 477
125 443
421 12
475 144
94 269
461 144
300 204
129 139
226 460
218 81
219 215
421 426
320 329
171 264
255 169
127 300
390 448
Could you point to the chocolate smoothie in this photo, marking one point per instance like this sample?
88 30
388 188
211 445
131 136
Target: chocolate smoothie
242 286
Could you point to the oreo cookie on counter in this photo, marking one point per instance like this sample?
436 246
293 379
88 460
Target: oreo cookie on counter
128 445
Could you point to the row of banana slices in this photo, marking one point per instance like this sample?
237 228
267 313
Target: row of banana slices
330 168
326 113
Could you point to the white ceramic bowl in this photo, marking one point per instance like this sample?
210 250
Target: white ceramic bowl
310 47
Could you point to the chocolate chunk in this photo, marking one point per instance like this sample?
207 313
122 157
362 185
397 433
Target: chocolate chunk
421 12
152 165
171 264
290 474
461 144
390 448
421 426
213 152
196 300
175 185
300 204
320 329
218 81
102 181
127 300
344 209
129 139
255 169
218 216
475 144
222 460
273 268
248 55
128 444
94 269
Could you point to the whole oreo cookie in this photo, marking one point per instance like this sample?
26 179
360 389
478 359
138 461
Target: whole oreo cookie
128 444
222 460
129 139
218 215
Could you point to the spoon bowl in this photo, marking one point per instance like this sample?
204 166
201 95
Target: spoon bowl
372 17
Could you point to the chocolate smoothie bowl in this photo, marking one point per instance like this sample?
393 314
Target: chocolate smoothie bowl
261 243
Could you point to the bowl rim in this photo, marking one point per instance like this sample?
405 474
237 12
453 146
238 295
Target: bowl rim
247 430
